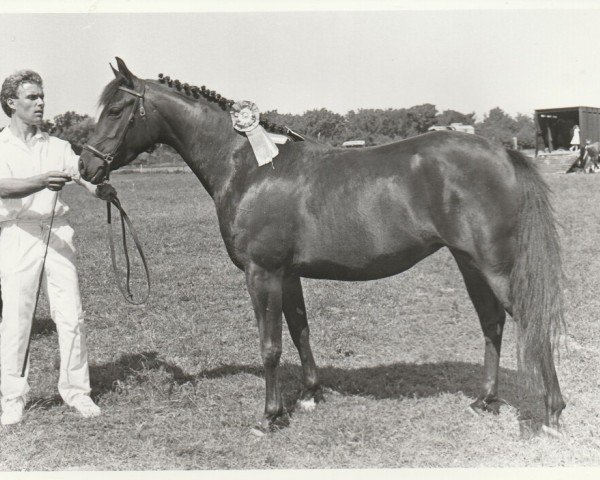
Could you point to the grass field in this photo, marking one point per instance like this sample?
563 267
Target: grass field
180 378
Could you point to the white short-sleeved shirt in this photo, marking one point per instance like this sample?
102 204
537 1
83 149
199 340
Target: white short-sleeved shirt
18 160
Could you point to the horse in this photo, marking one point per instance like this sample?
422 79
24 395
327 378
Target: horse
590 157
322 212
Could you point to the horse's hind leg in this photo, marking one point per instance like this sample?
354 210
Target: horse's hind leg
489 291
295 316
492 316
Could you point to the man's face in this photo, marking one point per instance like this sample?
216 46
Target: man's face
29 104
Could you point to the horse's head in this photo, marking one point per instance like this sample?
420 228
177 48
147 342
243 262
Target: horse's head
123 130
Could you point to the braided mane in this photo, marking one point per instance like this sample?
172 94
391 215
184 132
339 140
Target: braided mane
210 95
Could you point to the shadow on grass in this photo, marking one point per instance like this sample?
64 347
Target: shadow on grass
105 378
42 327
404 380
398 380
393 381
45 403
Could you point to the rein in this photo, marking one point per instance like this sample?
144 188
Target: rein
108 158
125 288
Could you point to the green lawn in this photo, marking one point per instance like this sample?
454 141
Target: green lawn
180 378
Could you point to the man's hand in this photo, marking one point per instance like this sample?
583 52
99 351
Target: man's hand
105 191
54 180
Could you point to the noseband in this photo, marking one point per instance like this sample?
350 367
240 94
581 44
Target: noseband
108 158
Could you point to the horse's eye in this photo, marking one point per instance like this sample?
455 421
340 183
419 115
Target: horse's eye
114 111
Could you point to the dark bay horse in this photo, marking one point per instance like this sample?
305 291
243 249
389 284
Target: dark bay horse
329 213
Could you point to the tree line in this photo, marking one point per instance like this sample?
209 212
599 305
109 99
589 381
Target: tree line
379 126
374 126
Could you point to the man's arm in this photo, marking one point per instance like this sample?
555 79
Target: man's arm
23 187
104 191
90 187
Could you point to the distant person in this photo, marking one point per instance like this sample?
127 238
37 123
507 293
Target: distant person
34 167
575 139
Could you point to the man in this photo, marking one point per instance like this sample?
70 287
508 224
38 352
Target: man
34 167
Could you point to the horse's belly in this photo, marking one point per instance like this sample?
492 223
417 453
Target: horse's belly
356 257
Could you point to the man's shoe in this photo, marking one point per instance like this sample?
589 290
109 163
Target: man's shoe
13 411
85 406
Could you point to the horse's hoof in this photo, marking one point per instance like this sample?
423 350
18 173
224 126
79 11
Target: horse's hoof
475 411
493 407
269 425
307 405
258 431
309 399
318 396
280 421
552 432
480 406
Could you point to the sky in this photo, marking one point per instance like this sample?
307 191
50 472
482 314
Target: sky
341 56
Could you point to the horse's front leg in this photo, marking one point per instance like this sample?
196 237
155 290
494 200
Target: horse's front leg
295 316
265 288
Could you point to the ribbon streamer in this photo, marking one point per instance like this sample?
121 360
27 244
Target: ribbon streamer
264 148
245 117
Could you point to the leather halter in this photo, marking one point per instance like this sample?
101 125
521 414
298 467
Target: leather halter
108 158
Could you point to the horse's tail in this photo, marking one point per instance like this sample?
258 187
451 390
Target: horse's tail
536 277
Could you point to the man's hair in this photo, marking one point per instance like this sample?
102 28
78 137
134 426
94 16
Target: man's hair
11 86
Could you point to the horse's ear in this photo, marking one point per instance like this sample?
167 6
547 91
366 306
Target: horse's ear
116 72
123 80
123 74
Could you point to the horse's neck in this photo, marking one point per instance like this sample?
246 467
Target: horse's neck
204 137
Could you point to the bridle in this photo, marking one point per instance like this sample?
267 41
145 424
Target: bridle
108 158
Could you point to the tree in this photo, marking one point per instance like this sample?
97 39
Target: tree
501 128
377 126
74 128
422 117
452 116
47 126
525 131
324 125
498 127
295 122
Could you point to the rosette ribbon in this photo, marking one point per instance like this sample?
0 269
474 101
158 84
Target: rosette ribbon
245 117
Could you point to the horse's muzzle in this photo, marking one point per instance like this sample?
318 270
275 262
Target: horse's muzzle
91 172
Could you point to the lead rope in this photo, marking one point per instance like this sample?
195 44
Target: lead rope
125 222
37 295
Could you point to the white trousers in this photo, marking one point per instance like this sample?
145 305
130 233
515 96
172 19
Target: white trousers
22 247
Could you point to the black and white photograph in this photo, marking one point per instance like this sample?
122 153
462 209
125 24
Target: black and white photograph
300 238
